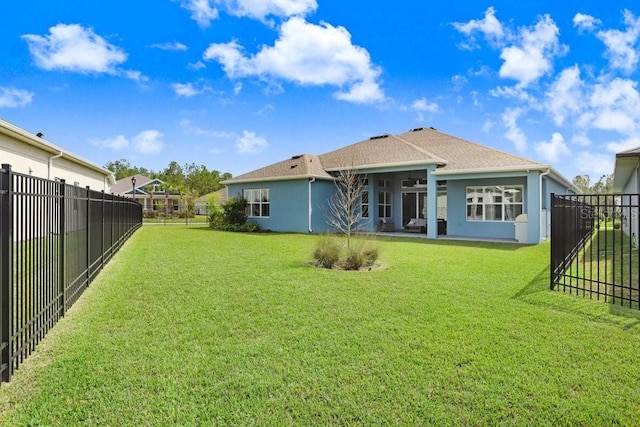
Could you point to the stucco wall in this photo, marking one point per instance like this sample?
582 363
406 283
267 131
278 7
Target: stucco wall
288 204
29 160
457 223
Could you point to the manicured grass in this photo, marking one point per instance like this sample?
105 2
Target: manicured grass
189 326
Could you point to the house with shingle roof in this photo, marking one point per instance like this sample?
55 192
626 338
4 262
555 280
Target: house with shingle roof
446 185
626 182
151 193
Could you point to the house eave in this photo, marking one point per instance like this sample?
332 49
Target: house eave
44 145
277 178
507 169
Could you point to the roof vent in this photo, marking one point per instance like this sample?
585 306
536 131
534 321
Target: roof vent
417 129
431 127
39 134
386 135
296 157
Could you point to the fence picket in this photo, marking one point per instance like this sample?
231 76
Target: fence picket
49 254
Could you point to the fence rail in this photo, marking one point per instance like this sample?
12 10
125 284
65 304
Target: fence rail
54 239
594 247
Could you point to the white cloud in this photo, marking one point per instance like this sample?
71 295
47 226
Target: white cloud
201 11
585 22
623 145
554 149
260 9
458 82
531 57
615 106
514 133
621 45
198 65
190 129
149 141
581 139
115 143
594 164
306 54
490 27
185 89
11 97
175 46
425 106
250 143
565 96
74 48
237 88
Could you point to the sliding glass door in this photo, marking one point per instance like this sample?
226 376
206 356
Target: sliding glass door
414 205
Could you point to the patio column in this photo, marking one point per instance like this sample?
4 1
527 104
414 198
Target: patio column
432 204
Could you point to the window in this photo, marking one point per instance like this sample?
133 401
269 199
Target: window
365 204
257 202
494 203
384 204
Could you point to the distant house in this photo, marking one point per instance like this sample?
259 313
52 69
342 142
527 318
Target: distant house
31 154
626 180
201 204
151 193
421 181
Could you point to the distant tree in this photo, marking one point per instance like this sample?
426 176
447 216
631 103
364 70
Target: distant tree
582 182
123 169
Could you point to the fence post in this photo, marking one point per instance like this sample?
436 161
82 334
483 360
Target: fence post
88 245
102 248
552 208
63 262
6 269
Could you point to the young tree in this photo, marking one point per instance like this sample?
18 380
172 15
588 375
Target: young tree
345 205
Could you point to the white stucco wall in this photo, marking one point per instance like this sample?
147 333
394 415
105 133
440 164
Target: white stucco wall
31 155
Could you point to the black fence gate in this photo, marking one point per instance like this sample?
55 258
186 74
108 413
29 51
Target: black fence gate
594 247
54 239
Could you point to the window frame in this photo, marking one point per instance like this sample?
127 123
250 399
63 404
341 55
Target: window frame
385 204
489 205
258 202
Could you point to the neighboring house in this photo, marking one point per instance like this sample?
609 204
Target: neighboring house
626 180
151 193
447 185
31 154
201 204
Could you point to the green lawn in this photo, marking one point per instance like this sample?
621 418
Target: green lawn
188 326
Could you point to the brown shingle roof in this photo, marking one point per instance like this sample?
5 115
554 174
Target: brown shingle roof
383 150
419 147
297 167
461 154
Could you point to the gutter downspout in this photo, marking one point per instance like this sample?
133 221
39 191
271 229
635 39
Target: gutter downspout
51 163
548 171
311 181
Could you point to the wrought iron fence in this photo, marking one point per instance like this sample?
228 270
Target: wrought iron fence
54 239
594 247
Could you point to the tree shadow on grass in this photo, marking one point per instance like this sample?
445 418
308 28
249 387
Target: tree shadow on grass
596 310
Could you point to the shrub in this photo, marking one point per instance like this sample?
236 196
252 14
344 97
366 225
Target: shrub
235 211
327 253
354 260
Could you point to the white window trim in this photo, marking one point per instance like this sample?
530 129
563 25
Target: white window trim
484 203
260 201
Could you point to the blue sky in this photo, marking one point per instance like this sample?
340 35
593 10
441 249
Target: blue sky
239 84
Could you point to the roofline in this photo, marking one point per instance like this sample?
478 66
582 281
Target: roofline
41 143
386 165
556 175
279 178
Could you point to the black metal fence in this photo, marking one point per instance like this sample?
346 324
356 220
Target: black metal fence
594 247
54 239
